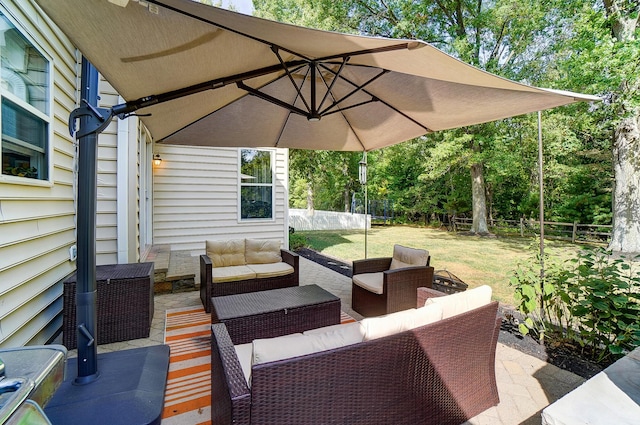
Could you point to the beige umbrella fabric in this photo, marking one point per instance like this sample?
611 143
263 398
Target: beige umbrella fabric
259 83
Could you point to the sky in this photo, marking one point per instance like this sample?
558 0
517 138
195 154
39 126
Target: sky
242 6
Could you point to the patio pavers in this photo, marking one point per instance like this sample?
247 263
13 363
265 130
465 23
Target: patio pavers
526 384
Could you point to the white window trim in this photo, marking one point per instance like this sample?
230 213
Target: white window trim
48 117
272 160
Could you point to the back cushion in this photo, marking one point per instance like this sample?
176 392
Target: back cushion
226 252
393 323
408 257
259 251
462 301
322 339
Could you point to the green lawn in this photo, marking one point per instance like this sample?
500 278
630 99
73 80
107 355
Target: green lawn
475 260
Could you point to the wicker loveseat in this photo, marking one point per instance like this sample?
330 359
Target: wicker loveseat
238 266
441 372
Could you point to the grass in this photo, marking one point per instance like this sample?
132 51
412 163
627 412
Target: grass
476 260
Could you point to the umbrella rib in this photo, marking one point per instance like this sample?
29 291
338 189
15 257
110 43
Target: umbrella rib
399 46
274 49
378 99
330 87
356 90
271 99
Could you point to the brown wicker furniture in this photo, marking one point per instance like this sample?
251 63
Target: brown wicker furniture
211 288
124 305
393 289
442 373
267 314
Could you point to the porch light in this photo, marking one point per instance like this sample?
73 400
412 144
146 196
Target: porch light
157 160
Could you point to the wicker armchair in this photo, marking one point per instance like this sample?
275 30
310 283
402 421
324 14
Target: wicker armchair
386 285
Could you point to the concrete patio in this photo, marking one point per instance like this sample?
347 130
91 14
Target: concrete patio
526 384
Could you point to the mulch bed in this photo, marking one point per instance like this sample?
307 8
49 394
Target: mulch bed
564 357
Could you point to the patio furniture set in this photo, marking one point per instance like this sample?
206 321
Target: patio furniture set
282 356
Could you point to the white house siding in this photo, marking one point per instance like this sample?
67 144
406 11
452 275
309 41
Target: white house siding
37 219
107 184
195 198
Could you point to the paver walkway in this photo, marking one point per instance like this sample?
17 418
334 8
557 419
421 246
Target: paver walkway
526 384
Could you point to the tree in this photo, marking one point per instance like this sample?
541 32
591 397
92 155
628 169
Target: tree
623 18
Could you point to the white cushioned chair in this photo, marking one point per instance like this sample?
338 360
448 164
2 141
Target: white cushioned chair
389 284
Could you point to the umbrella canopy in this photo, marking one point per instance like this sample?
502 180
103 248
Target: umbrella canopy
212 77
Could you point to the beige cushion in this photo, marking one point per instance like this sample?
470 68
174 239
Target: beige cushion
408 257
428 314
231 274
372 282
462 301
258 251
288 346
244 353
344 333
393 323
225 253
271 270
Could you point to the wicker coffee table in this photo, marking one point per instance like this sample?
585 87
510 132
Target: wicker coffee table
277 312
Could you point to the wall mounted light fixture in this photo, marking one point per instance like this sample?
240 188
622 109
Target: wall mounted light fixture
156 159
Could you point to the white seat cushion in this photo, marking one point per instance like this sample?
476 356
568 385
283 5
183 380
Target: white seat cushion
271 269
245 353
462 302
408 257
231 274
372 282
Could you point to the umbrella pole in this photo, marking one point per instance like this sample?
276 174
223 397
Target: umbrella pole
86 222
363 182
541 184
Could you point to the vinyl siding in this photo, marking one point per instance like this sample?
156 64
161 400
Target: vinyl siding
37 219
196 198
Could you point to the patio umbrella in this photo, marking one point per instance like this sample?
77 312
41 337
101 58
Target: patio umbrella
201 75
212 77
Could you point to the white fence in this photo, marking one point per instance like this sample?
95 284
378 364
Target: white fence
326 220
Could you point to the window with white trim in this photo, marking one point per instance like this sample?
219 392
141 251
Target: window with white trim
256 184
24 105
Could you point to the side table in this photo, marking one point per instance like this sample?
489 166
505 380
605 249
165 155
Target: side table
124 305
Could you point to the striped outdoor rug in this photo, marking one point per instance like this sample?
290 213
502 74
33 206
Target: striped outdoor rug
187 400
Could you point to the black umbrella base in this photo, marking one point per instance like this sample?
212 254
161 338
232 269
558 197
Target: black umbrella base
129 390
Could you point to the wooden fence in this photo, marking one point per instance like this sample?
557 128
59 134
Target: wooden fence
574 232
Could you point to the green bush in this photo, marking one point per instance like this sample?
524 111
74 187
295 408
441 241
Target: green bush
592 300
297 241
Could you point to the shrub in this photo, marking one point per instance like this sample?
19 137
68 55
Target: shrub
297 241
592 300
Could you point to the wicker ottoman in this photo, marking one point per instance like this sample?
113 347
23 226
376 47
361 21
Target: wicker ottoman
124 306
267 314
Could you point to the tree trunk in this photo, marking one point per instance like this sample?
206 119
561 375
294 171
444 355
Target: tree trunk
479 224
310 206
625 236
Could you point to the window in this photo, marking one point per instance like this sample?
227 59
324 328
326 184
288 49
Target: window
256 184
24 105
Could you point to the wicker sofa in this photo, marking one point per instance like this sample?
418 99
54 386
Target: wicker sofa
441 372
238 266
